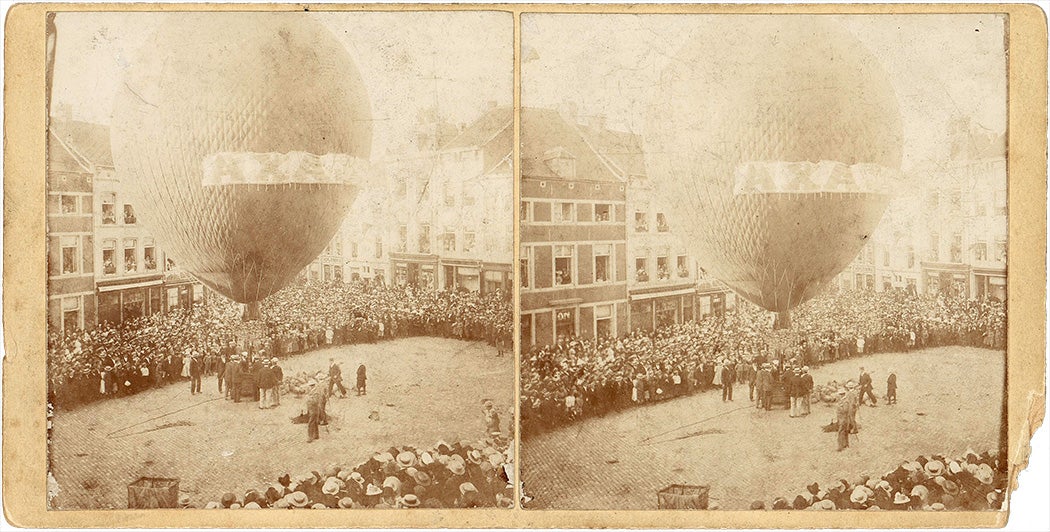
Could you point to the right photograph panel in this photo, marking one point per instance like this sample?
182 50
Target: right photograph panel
763 262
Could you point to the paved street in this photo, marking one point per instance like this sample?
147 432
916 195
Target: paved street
425 389
949 399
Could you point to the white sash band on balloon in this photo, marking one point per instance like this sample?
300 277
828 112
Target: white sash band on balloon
763 177
245 168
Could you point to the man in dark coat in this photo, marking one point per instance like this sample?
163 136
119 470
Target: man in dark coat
196 369
362 379
264 376
335 377
233 373
764 387
806 389
866 387
728 375
278 378
220 370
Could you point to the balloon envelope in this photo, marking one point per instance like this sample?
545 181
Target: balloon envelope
775 144
241 138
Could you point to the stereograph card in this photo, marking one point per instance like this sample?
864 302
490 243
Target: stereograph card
522 265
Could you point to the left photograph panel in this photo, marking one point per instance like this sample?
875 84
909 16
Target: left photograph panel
279 260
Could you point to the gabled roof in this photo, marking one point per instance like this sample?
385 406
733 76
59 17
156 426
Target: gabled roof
85 141
61 159
493 133
622 149
544 130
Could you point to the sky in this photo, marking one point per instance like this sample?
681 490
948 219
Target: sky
410 61
941 67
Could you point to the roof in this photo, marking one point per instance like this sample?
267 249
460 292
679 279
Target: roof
622 149
545 132
493 133
61 159
85 141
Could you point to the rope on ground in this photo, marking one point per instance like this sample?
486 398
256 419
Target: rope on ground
709 418
111 434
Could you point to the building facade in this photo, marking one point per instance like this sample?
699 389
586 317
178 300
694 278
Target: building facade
573 257
949 236
105 267
440 219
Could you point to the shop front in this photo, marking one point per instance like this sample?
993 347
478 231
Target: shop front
118 303
990 284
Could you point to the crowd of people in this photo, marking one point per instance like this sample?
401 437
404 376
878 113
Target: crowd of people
968 482
579 377
447 475
167 347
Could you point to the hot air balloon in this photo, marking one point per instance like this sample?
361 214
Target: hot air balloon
243 138
776 144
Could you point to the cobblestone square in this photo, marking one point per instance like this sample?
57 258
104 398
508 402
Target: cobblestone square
949 399
424 389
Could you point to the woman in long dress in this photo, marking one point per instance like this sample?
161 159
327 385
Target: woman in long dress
718 373
186 366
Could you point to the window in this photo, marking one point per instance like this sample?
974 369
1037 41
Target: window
933 254
327 275
683 266
69 204
885 258
469 240
661 223
70 254
602 212
71 307
400 187
524 214
980 251
603 322
379 247
911 256
353 249
981 208
149 255
562 265
109 209
1000 250
337 272
337 245
663 268
129 214
130 264
641 222
956 248
641 270
602 263
468 199
524 273
449 241
955 199
563 212
402 238
424 238
109 265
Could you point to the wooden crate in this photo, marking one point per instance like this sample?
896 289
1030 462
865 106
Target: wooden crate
148 493
682 497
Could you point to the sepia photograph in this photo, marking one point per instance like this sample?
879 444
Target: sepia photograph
763 262
279 251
